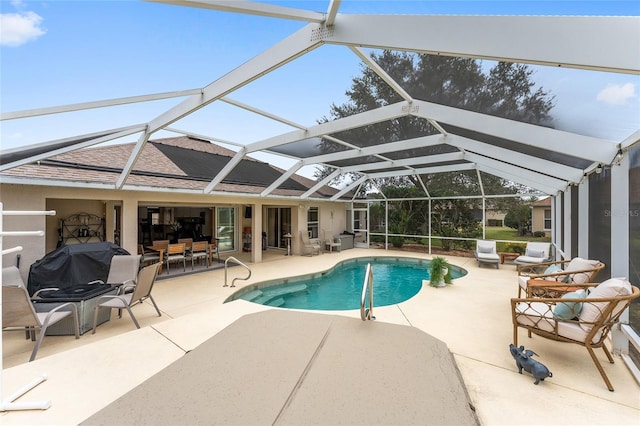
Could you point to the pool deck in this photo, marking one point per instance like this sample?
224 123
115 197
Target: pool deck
472 317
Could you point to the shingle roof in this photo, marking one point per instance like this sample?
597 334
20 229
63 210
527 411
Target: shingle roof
176 163
542 203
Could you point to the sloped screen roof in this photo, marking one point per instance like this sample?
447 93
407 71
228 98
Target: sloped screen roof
436 138
204 165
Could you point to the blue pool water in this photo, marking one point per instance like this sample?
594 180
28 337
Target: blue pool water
395 280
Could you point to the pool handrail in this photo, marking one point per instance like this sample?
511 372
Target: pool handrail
233 282
367 314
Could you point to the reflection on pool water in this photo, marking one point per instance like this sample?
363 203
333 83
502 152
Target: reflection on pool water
395 279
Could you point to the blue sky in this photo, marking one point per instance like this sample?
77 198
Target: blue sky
62 52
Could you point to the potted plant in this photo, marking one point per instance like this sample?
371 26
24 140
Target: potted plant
439 272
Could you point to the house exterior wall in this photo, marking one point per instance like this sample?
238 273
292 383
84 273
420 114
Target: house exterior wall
493 217
537 219
67 201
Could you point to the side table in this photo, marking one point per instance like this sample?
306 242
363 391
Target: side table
508 256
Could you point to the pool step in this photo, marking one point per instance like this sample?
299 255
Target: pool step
278 293
275 302
252 295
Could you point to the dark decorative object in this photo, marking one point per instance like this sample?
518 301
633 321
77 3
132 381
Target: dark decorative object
81 228
73 265
524 360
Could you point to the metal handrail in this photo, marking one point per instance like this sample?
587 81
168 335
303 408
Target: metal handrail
233 283
367 314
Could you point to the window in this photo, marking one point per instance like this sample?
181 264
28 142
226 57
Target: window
547 219
312 222
226 228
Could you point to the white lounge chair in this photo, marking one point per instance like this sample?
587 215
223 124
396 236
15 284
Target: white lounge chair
535 252
486 253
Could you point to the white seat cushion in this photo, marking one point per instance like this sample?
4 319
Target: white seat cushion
579 264
612 287
529 259
540 315
522 281
490 257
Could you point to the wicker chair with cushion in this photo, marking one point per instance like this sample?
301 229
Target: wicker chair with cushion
583 317
564 272
309 246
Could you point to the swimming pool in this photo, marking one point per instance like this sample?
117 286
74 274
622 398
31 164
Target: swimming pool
395 279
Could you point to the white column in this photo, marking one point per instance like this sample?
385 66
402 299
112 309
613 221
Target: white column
556 221
256 236
129 225
583 219
620 239
566 240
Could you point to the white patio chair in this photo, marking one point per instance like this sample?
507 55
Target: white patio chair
535 252
486 253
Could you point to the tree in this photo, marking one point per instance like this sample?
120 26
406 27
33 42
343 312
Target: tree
518 217
507 91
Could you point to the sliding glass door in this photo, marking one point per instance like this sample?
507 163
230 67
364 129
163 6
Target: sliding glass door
226 228
278 224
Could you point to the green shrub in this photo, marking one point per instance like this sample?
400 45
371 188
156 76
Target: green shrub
396 241
515 248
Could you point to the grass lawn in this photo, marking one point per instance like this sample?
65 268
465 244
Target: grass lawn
492 233
504 233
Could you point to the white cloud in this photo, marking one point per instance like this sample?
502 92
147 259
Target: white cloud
617 94
19 28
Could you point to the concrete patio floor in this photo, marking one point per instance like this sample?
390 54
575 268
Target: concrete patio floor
472 317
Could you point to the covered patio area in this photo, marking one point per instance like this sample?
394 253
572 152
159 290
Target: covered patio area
472 317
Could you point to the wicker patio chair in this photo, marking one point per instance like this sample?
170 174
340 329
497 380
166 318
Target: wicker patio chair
581 317
309 246
563 272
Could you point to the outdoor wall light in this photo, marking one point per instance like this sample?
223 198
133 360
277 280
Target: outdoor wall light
599 169
619 157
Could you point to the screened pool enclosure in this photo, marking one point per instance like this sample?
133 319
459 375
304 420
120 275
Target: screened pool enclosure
590 168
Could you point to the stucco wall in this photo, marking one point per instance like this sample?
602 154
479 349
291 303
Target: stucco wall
537 220
72 200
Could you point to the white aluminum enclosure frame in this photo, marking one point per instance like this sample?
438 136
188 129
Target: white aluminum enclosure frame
598 44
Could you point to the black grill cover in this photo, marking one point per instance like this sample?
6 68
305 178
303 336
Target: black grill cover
73 265
75 293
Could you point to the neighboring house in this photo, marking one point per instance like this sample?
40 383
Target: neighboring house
541 216
492 216
164 197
